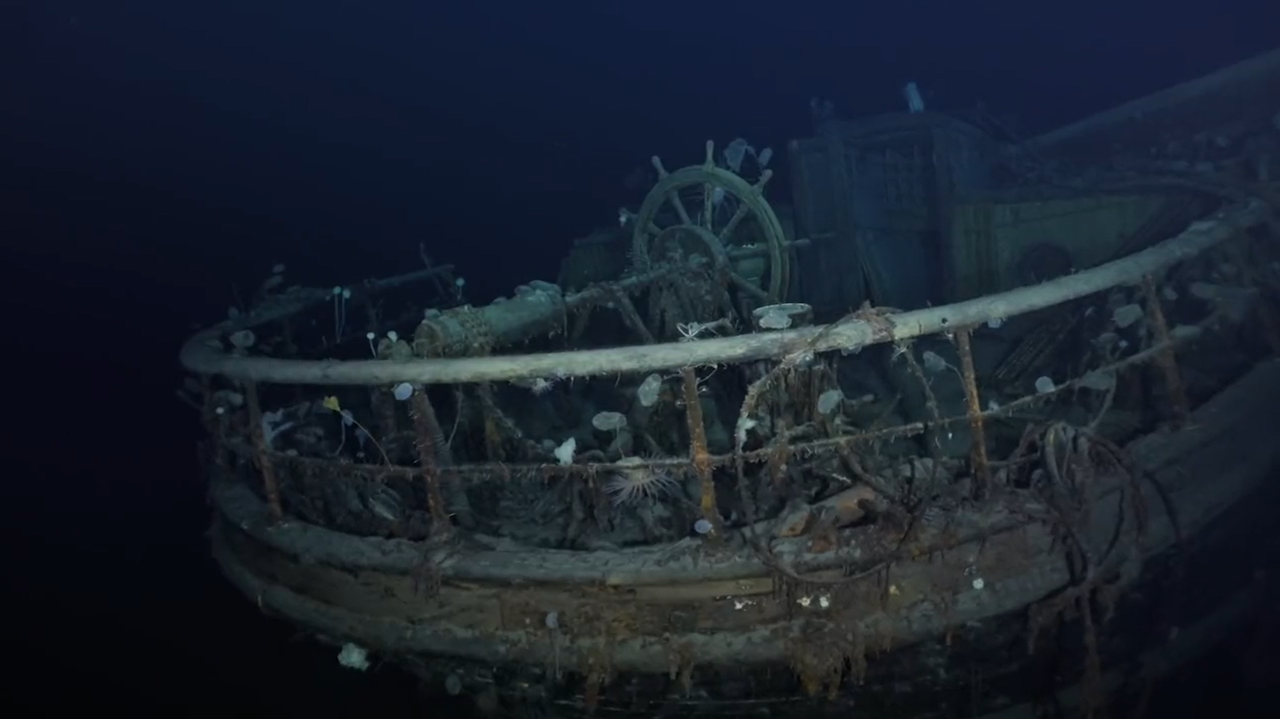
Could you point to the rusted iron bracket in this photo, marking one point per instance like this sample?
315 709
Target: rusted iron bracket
263 451
698 449
1167 359
978 453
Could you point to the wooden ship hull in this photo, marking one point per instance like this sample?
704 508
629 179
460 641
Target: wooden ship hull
669 633
735 543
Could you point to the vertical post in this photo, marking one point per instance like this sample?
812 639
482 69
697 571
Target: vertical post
698 448
215 424
1238 251
423 414
259 433
1166 359
978 432
384 409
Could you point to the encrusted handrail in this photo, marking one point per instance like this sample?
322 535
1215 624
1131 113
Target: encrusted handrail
199 357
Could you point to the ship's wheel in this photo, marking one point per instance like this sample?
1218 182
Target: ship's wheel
711 212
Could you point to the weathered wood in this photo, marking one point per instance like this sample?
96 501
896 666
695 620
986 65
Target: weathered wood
198 357
1230 94
1242 415
1225 454
1238 609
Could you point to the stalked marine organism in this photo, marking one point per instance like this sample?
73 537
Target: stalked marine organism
634 480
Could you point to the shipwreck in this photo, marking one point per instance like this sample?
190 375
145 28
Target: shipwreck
960 429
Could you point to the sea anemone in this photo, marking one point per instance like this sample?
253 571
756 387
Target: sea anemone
634 481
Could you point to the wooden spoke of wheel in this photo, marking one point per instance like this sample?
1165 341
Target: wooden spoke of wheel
708 177
673 196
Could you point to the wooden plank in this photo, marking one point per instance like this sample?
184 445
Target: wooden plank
1246 88
848 334
1228 454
